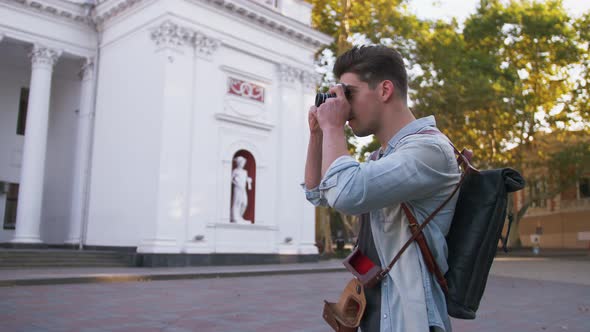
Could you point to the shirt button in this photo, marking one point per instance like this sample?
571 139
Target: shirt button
384 316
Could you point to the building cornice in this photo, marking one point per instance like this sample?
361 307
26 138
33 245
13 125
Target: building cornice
65 10
271 20
250 11
107 9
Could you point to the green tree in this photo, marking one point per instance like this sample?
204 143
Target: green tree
502 80
497 83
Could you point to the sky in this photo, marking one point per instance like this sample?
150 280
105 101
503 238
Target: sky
434 9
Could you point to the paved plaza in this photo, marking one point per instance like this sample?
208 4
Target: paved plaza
523 295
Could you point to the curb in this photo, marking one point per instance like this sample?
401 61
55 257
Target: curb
156 277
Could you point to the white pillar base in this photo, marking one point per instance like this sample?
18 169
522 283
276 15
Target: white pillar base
159 246
308 249
72 241
288 249
197 248
27 240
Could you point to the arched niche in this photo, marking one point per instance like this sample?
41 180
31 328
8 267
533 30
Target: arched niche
237 196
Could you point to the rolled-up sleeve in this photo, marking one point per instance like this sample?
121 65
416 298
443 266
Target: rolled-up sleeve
413 171
313 196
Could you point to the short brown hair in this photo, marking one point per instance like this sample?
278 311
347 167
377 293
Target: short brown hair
374 64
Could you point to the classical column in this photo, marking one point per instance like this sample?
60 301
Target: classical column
307 246
33 163
197 238
173 55
290 106
81 161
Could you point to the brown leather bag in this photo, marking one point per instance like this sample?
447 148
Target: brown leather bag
346 314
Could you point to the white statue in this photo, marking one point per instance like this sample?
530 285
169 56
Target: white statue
240 181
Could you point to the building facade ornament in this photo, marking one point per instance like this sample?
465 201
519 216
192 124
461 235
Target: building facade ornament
41 55
247 90
87 69
170 34
205 45
288 74
310 80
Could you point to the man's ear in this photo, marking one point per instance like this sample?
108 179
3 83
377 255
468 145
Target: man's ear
387 91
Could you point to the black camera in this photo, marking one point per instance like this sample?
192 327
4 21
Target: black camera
321 98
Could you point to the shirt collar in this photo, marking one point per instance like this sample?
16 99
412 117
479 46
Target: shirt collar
409 129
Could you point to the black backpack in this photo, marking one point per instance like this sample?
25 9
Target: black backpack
474 235
475 232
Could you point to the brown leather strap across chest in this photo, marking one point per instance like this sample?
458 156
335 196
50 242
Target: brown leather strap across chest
463 159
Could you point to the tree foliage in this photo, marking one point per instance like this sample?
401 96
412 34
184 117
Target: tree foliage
498 83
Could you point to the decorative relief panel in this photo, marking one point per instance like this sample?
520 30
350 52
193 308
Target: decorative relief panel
247 99
245 89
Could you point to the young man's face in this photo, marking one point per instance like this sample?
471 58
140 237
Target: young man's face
365 105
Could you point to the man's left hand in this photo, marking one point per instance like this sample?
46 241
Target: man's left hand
334 112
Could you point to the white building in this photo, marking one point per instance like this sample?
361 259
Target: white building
119 121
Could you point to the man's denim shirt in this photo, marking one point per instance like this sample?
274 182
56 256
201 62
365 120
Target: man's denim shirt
421 170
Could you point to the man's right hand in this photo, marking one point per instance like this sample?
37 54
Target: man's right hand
314 126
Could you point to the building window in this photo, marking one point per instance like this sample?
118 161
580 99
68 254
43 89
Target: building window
11 192
584 188
537 188
22 111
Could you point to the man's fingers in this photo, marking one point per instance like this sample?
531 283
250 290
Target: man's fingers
313 112
338 89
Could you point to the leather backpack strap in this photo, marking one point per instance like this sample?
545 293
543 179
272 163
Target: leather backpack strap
418 230
426 253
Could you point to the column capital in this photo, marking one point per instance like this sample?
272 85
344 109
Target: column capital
171 35
205 46
87 69
288 74
310 79
41 55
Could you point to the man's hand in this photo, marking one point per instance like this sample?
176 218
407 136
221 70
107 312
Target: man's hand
314 127
332 115
335 111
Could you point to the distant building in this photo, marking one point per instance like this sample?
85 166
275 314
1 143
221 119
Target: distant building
564 220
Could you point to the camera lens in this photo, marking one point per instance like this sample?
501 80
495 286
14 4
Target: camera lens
320 98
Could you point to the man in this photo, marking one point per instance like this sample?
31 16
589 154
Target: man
418 169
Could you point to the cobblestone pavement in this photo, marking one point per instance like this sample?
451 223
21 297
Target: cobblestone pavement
282 303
